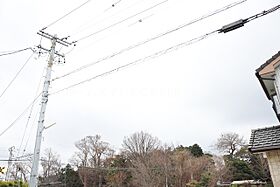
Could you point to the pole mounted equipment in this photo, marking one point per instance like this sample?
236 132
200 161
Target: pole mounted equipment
36 156
51 37
242 22
226 28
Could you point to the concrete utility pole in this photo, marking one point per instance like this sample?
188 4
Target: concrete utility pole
36 157
11 155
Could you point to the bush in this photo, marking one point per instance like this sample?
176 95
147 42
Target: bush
12 183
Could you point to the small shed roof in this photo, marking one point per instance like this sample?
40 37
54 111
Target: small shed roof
265 139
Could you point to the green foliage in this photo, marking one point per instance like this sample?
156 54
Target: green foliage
13 184
240 163
208 154
205 179
117 177
192 183
257 164
70 177
260 168
240 169
195 149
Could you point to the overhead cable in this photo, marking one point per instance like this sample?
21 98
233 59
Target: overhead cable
29 135
231 27
141 20
20 116
13 160
114 4
240 23
119 22
87 24
154 38
11 82
29 117
15 51
154 55
54 22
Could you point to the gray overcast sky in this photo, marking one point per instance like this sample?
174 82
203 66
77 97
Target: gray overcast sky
189 96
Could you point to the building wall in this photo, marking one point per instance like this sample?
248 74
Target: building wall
273 158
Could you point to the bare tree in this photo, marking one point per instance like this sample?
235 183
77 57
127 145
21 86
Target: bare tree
82 156
220 173
152 172
144 152
116 178
139 145
229 143
77 160
20 170
181 161
51 163
118 172
98 150
91 151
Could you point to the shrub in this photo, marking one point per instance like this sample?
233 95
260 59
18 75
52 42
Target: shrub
13 184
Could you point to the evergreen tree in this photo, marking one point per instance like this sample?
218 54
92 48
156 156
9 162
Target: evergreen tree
196 150
70 177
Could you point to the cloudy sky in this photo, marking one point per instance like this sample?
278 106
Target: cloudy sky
188 96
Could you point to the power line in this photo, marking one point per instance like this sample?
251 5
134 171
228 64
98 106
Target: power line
154 55
113 5
265 12
75 9
29 116
29 135
54 22
155 37
116 3
13 160
119 22
87 24
141 20
11 82
120 168
15 51
240 23
224 29
20 116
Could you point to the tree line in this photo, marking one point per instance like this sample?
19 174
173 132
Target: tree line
144 161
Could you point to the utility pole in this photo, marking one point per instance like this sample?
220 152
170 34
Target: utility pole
11 155
36 156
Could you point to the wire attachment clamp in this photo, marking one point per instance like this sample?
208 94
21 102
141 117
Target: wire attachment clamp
62 41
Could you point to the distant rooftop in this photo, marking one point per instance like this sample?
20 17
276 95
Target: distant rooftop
265 139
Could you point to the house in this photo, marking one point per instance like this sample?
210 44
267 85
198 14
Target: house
267 140
269 77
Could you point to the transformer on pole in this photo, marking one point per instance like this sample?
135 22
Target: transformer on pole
40 128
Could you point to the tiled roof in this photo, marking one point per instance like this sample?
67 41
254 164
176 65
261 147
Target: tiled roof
265 139
265 74
268 61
